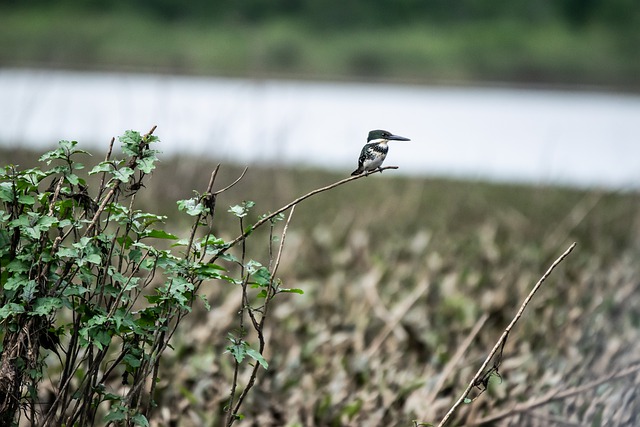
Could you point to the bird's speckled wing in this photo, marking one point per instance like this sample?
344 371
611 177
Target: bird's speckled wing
371 157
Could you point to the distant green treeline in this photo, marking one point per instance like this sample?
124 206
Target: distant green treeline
332 14
569 43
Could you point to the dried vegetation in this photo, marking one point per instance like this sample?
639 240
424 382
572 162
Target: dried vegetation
408 284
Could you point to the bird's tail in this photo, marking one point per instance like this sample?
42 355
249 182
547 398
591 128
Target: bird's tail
356 172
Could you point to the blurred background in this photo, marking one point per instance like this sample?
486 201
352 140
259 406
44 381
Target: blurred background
506 90
524 118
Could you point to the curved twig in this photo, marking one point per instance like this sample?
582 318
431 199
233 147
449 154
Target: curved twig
233 183
266 218
554 395
500 343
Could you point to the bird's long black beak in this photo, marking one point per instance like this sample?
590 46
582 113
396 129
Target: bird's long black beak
397 138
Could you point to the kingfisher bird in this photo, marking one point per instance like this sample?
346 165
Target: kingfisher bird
375 151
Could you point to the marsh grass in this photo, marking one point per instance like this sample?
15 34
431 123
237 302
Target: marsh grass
396 273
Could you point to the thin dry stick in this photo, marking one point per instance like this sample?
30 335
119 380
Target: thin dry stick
462 349
504 336
222 190
392 319
293 203
557 395
196 223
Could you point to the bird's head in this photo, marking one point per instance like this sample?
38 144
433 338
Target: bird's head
380 135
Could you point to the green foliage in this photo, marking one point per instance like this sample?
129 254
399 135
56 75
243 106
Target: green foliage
82 270
239 349
402 41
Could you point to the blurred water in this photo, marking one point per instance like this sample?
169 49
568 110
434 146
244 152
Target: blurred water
540 137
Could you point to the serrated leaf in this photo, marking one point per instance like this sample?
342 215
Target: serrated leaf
146 165
44 306
14 282
101 167
123 174
191 207
10 309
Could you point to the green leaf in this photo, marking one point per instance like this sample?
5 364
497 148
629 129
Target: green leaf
6 192
243 209
209 271
28 290
75 290
238 211
93 259
140 420
253 266
255 355
230 257
262 277
44 306
26 199
146 165
237 351
15 282
18 266
102 167
10 309
467 400
205 302
191 206
160 234
116 413
68 252
73 179
123 174
101 339
45 223
291 290
130 142
132 360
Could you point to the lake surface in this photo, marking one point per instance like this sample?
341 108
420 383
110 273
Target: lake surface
535 136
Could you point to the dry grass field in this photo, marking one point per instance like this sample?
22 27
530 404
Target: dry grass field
408 284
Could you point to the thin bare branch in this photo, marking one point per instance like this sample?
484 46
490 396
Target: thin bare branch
266 218
555 395
501 341
451 364
196 222
233 183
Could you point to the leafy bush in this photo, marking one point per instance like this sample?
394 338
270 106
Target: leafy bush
84 276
